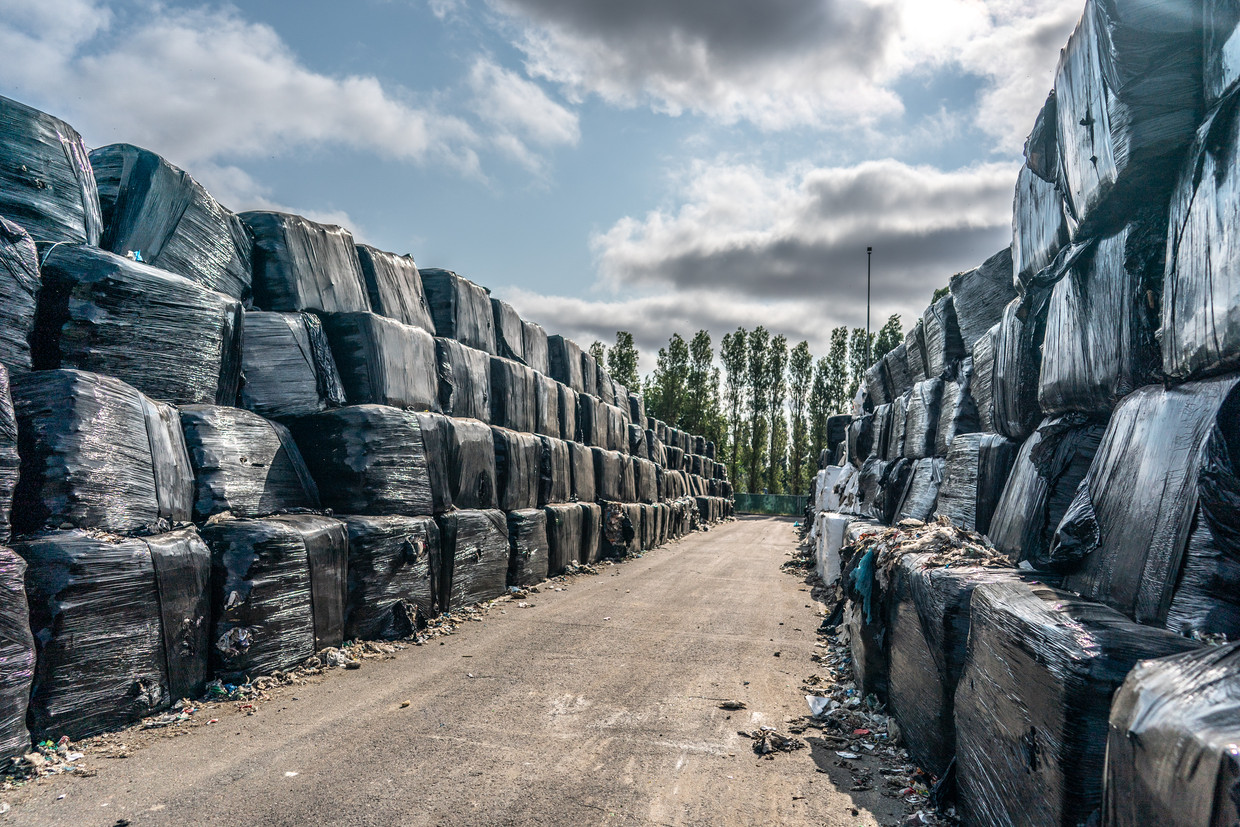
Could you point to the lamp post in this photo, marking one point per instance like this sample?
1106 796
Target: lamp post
869 251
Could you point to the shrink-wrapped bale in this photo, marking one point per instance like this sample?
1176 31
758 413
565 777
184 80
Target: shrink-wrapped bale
170 338
18 654
900 381
976 472
536 353
675 458
591 421
460 308
1017 362
870 488
157 211
837 430
941 329
650 527
860 440
390 587
555 474
1171 754
891 488
514 392
922 492
438 436
915 351
589 374
564 360
464 380
547 407
394 287
897 428
637 407
1039 227
474 558
607 388
243 464
1221 70
1048 468
517 460
568 412
287 367
528 546
95 453
878 383
957 410
608 482
19 284
982 386
591 533
581 464
881 433
1042 143
473 476
645 483
367 459
10 460
564 537
979 296
921 422
302 265
509 331
617 426
1033 699
638 446
46 181
383 361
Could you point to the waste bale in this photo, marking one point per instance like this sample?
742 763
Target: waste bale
1220 70
464 380
1017 363
581 464
517 460
19 284
394 287
159 212
474 558
976 472
383 361
650 528
568 412
170 338
509 331
10 460
18 652
870 488
565 536
617 427
979 296
591 421
897 428
900 381
921 422
884 416
637 407
46 182
637 445
655 451
461 309
591 533
922 492
1039 227
982 386
564 360
860 439
547 407
473 476
645 483
891 488
1033 699
514 395
957 410
589 374
529 533
536 353
390 589
555 475
302 265
1171 756
613 476
941 330
367 459
915 350
607 388
878 383
287 367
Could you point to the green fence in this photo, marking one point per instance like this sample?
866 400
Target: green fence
791 505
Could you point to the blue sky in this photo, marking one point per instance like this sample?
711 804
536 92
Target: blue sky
648 165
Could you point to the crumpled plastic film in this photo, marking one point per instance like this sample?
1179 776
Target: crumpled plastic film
891 487
10 461
547 406
591 533
1017 362
514 392
974 478
509 331
302 265
472 466
915 352
568 412
872 473
536 353
1222 63
922 491
390 589
1042 145
957 410
437 439
607 388
897 428
982 386
645 482
581 458
17 651
638 446
529 533
517 459
921 422
565 362
944 346
591 421
287 366
899 381
589 374
637 407
394 287
383 361
464 380
170 461
460 308
555 475
182 564
1039 227
860 439
878 384
979 296
473 558
19 284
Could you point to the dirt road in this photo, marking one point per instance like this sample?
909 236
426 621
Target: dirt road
597 705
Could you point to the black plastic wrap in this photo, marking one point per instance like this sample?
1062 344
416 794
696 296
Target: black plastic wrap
867 644
547 406
637 408
899 380
394 287
675 458
581 459
645 482
837 430
976 472
1128 94
870 489
891 487
474 559
1014 408
922 492
17 654
518 458
19 284
383 361
367 459
637 445
1221 69
941 330
529 558
10 460
514 395
170 338
555 474
46 182
472 463
896 428
650 527
95 453
921 422
182 565
244 464
878 383
155 209
287 366
460 308
915 351
589 374
957 410
509 331
1033 700
568 412
1039 227
564 362
536 355
591 421
464 380
860 441
979 296
390 590
880 440
982 386
302 265
607 475
591 533
655 450
606 387
1171 744
616 424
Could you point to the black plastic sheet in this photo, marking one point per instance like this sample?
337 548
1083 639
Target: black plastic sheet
156 210
518 458
944 345
607 475
979 296
564 536
896 429
17 654
474 559
287 367
867 643
878 383
473 478
568 412
547 406
514 395
900 381
591 421
957 410
555 475
1014 408
460 308
564 359
982 385
170 338
1039 227
607 388
10 460
976 472
464 380
1042 145
19 284
616 425
915 351
1221 70
628 478
591 533
46 183
383 361
637 445
536 355
675 458
367 459
655 450
1033 700
891 487
880 442
922 492
921 422
394 287
645 482
637 408
589 374
302 265
509 331
182 564
860 440
873 472
581 459
530 556
389 576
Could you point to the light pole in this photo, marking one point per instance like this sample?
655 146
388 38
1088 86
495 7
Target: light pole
869 251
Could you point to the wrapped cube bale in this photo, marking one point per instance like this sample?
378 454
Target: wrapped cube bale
870 502
547 407
17 653
921 422
509 331
897 428
589 374
518 457
979 296
555 473
915 351
982 385
637 408
394 287
157 211
656 452
568 412
1017 363
536 354
591 533
900 382
591 421
957 410
878 383
650 527
530 554
461 453
464 380
1220 70
474 558
860 442
302 265
169 337
637 442
617 428
514 395
674 458
1033 699
922 491
460 308
10 460
941 330
389 576
564 361
19 284
607 388
1039 227
645 483
287 367
564 537
383 361
976 473
581 465
608 483
879 443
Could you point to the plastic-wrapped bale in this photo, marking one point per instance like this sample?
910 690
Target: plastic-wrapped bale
976 472
921 422
591 533
302 265
509 331
645 483
897 427
1042 143
617 427
581 464
837 430
922 491
564 359
394 287
589 374
870 488
1048 468
675 458
944 345
979 296
383 361
607 388
957 410
95 453
878 383
518 458
865 618
287 367
860 439
170 338
1014 408
564 537
10 460
547 407
536 354
46 182
982 386
156 210
568 412
638 445
637 407
529 558
389 576
474 558
472 476
1171 755
1039 227
464 380
881 432
830 540
1128 93
900 381
592 421
1156 519
514 395
121 627
915 351
280 590
1033 698
1099 344
1221 70
19 284
367 459
17 652
650 527
555 475
244 464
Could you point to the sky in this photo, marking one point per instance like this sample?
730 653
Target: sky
655 166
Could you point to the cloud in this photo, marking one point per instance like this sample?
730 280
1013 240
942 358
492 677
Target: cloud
519 113
239 191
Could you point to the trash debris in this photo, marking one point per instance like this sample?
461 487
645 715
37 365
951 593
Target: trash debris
768 741
733 705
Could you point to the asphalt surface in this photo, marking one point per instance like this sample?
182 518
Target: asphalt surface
596 705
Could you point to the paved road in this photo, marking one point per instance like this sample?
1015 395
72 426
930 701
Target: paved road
592 707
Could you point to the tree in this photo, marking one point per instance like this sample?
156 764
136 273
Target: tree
819 408
756 379
599 351
666 388
837 372
857 366
622 361
702 414
940 293
732 354
889 338
800 375
777 388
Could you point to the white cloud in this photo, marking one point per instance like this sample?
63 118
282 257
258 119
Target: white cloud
519 112
239 191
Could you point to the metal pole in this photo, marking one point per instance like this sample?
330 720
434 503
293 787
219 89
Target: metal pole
869 251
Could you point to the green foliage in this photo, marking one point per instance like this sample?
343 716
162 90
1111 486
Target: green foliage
599 351
733 355
759 401
940 293
820 400
666 390
857 364
622 361
800 376
890 337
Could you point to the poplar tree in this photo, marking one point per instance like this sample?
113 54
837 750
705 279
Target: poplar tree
800 375
777 389
733 355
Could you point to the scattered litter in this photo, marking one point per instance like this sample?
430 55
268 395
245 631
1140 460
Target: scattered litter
848 756
768 741
405 704
733 705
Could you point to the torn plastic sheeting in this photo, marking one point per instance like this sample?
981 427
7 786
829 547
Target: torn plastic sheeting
979 296
637 407
860 439
1171 757
473 558
367 459
1017 363
529 551
982 386
581 459
155 209
941 330
514 392
591 533
921 422
170 338
464 380
915 351
547 407
645 483
19 284
565 362
1033 700
867 643
10 460
976 472
638 446
536 353
46 181
922 491
394 287
517 460
555 475
389 575
957 411
287 367
1039 227
892 485
383 362
568 412
302 265
509 331
473 476
18 654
